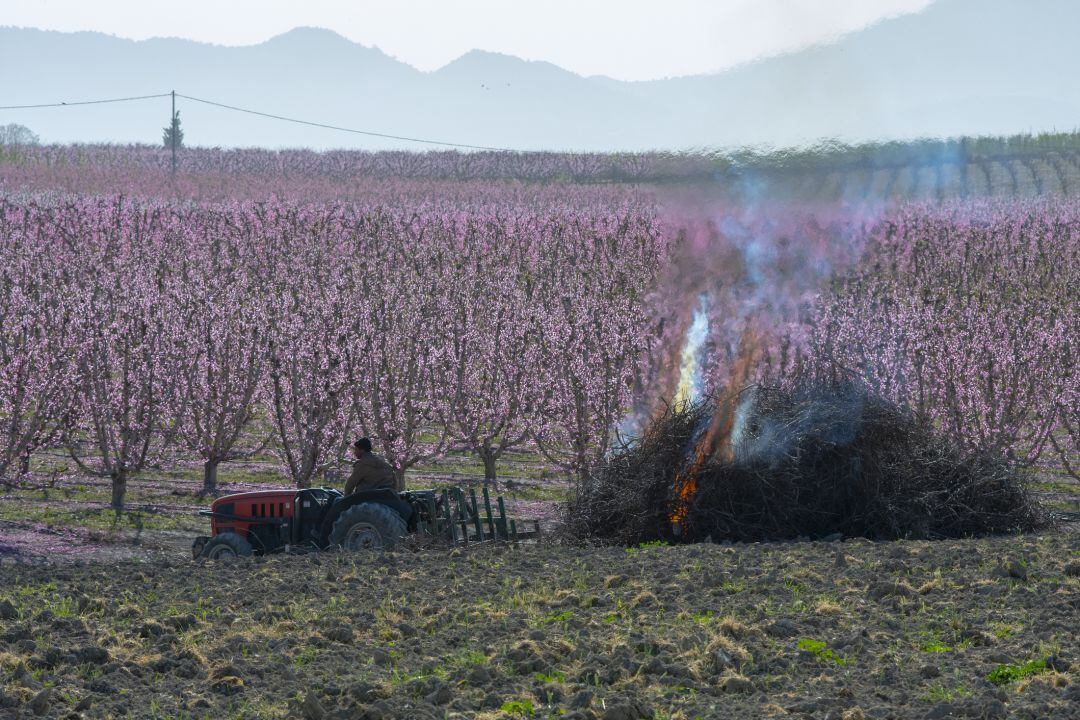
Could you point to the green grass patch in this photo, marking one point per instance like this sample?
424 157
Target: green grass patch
1003 630
1006 674
646 546
547 493
269 475
519 708
821 651
733 587
940 693
1068 488
305 657
558 617
554 677
103 520
933 647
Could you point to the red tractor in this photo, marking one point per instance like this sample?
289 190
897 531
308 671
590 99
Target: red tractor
272 521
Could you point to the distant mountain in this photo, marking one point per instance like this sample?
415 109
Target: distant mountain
961 67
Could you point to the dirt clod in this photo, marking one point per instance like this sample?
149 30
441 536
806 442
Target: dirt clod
896 588
736 684
782 629
479 675
440 696
91 654
311 708
1013 569
183 622
581 699
339 633
365 692
626 711
721 660
1058 664
39 704
226 679
227 685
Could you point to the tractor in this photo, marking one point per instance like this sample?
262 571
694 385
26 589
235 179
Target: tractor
310 519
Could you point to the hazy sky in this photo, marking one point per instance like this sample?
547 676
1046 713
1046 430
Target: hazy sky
625 39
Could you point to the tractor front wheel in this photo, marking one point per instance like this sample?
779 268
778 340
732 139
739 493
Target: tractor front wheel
367 526
226 545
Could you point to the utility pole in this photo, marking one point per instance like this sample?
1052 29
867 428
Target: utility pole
172 123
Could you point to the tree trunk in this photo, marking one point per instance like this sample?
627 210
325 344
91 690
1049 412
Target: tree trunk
490 478
584 476
308 465
119 488
209 483
399 479
580 467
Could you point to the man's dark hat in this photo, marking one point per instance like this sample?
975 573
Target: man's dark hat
363 444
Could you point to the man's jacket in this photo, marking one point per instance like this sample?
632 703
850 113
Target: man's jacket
371 472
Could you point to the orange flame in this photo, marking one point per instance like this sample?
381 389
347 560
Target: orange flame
716 442
741 372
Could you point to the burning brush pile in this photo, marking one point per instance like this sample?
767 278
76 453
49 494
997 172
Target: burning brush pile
813 459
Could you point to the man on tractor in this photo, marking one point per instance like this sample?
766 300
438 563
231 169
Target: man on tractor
373 513
370 471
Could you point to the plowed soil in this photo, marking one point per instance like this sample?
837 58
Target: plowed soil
974 628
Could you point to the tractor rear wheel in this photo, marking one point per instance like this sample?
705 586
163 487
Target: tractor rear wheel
368 526
226 545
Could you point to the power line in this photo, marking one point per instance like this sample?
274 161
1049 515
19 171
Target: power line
82 102
339 128
272 116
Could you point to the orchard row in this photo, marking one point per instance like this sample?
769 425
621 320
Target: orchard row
970 316
984 167
130 329
488 318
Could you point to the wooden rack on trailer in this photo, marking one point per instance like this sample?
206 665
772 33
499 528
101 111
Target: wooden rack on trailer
449 515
